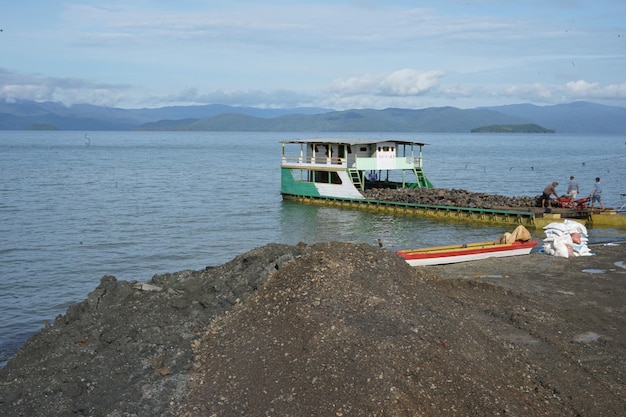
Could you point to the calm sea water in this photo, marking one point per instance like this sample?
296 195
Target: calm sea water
76 206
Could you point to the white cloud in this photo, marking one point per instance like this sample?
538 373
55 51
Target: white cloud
581 87
249 98
594 90
37 87
530 92
405 82
570 91
409 82
406 88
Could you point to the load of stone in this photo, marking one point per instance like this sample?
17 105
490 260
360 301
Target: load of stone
449 197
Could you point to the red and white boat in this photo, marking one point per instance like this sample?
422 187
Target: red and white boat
465 252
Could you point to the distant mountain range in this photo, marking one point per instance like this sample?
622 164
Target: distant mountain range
577 117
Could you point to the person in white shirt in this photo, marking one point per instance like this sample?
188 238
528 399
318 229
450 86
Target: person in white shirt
572 188
596 194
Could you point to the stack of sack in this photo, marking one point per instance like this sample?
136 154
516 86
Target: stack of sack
566 239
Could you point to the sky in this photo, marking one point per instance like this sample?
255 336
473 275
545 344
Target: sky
331 54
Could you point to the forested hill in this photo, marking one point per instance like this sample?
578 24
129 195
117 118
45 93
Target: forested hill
578 117
443 119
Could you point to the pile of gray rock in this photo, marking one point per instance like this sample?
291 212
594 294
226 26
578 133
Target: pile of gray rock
449 197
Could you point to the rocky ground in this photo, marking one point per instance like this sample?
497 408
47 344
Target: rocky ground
338 329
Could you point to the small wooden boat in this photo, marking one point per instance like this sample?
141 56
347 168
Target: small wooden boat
465 252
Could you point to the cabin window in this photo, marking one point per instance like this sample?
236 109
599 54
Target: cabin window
326 177
301 175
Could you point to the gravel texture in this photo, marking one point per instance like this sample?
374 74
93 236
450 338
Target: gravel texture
337 329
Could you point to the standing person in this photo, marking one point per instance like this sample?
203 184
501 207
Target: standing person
596 194
572 188
547 192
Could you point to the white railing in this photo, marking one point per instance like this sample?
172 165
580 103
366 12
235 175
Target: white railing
416 162
324 160
307 160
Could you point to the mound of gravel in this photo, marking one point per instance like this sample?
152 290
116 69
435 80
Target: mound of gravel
336 329
126 349
449 197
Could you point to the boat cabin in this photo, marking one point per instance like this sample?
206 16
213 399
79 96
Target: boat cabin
311 167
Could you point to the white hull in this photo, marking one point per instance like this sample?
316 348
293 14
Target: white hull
470 257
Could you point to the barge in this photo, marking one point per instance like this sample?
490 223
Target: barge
337 172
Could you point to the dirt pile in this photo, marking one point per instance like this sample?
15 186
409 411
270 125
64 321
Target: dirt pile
126 350
337 329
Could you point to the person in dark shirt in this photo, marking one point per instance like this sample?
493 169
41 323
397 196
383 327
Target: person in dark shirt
547 192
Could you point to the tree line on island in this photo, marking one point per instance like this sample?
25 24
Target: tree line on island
525 128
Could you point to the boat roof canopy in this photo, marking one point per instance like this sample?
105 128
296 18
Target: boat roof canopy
351 141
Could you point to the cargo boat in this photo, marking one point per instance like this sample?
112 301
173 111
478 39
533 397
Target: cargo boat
342 169
336 172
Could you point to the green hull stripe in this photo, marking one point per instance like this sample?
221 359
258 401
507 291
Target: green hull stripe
288 185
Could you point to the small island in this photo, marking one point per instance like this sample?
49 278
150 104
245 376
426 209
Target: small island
527 128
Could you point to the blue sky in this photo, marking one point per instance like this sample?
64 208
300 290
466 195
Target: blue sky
334 54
